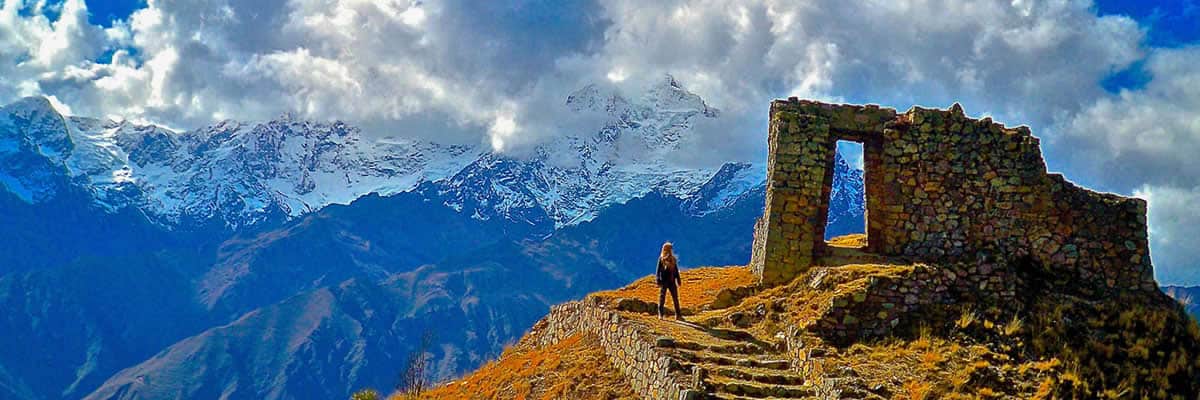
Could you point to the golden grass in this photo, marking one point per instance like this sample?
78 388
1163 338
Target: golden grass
574 368
916 390
854 240
967 318
1013 326
700 286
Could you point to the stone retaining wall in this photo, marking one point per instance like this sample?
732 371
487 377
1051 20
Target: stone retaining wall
630 348
924 295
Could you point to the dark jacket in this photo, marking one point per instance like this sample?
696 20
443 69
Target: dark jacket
666 276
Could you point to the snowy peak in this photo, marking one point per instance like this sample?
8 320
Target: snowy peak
571 179
645 130
35 120
665 96
729 184
594 98
31 109
232 173
669 96
146 145
33 144
847 199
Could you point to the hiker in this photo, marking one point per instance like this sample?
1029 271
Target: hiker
667 278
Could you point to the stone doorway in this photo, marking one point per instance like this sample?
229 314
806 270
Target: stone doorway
845 225
871 147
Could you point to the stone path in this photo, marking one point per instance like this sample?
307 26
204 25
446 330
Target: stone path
729 364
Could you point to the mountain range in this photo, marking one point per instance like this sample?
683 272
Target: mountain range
293 259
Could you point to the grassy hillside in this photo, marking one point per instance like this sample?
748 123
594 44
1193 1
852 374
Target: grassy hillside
573 368
756 343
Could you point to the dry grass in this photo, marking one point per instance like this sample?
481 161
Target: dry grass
700 286
916 390
574 368
1013 326
855 240
968 317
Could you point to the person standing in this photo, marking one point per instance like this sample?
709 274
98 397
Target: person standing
668 279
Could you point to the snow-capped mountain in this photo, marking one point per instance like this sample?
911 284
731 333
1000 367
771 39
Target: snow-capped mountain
571 178
241 173
238 173
33 146
232 172
847 200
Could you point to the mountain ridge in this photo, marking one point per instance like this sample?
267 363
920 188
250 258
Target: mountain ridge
239 174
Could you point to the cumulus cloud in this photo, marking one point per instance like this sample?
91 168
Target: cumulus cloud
451 70
1145 136
489 69
1174 233
32 45
498 73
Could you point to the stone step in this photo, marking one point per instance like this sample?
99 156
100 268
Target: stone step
757 390
727 396
728 347
718 359
760 375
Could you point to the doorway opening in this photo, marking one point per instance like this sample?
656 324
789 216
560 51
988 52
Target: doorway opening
845 221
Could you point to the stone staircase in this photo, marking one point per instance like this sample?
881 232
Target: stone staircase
731 364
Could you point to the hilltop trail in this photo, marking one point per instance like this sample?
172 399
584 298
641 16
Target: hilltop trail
742 341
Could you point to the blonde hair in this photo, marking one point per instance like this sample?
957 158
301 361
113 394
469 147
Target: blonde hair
668 256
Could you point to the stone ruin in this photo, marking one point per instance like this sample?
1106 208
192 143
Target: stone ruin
943 189
967 201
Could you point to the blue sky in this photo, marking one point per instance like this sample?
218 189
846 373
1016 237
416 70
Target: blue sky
1172 23
1110 87
105 12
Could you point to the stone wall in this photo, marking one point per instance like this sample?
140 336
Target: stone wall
901 303
630 348
943 188
758 248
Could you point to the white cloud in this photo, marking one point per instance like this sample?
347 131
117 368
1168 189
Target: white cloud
389 63
1150 135
1174 233
383 64
30 46
498 72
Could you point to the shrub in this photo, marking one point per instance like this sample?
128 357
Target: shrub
365 394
